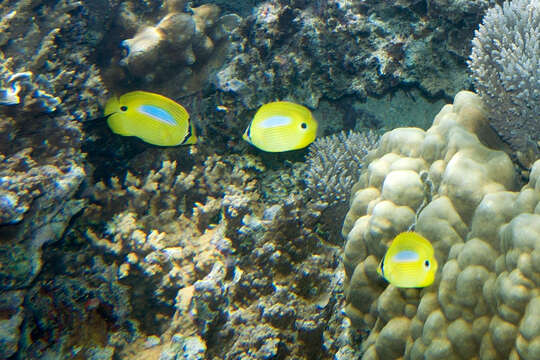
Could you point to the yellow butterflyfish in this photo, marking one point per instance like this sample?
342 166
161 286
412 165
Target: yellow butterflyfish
281 126
409 262
151 117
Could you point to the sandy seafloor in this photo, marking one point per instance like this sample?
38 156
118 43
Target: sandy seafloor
113 248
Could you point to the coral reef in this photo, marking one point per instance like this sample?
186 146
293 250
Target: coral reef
450 185
306 51
504 62
209 252
135 245
47 84
195 263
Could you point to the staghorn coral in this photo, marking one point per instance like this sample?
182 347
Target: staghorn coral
463 196
505 65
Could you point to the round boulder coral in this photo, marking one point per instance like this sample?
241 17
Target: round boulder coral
450 185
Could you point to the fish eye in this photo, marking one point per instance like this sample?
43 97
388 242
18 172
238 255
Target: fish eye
303 125
426 264
123 108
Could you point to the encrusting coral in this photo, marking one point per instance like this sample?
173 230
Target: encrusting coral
452 187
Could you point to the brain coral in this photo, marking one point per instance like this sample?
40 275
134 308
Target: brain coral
461 194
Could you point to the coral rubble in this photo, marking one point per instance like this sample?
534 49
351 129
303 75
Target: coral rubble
450 185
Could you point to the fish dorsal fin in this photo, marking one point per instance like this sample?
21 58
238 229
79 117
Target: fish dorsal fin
158 114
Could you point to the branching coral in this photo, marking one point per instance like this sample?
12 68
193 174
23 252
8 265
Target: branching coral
155 222
202 245
334 164
462 196
505 62
142 240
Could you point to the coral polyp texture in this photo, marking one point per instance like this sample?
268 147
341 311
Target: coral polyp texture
505 63
454 188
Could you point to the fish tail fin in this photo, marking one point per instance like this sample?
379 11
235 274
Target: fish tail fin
192 138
